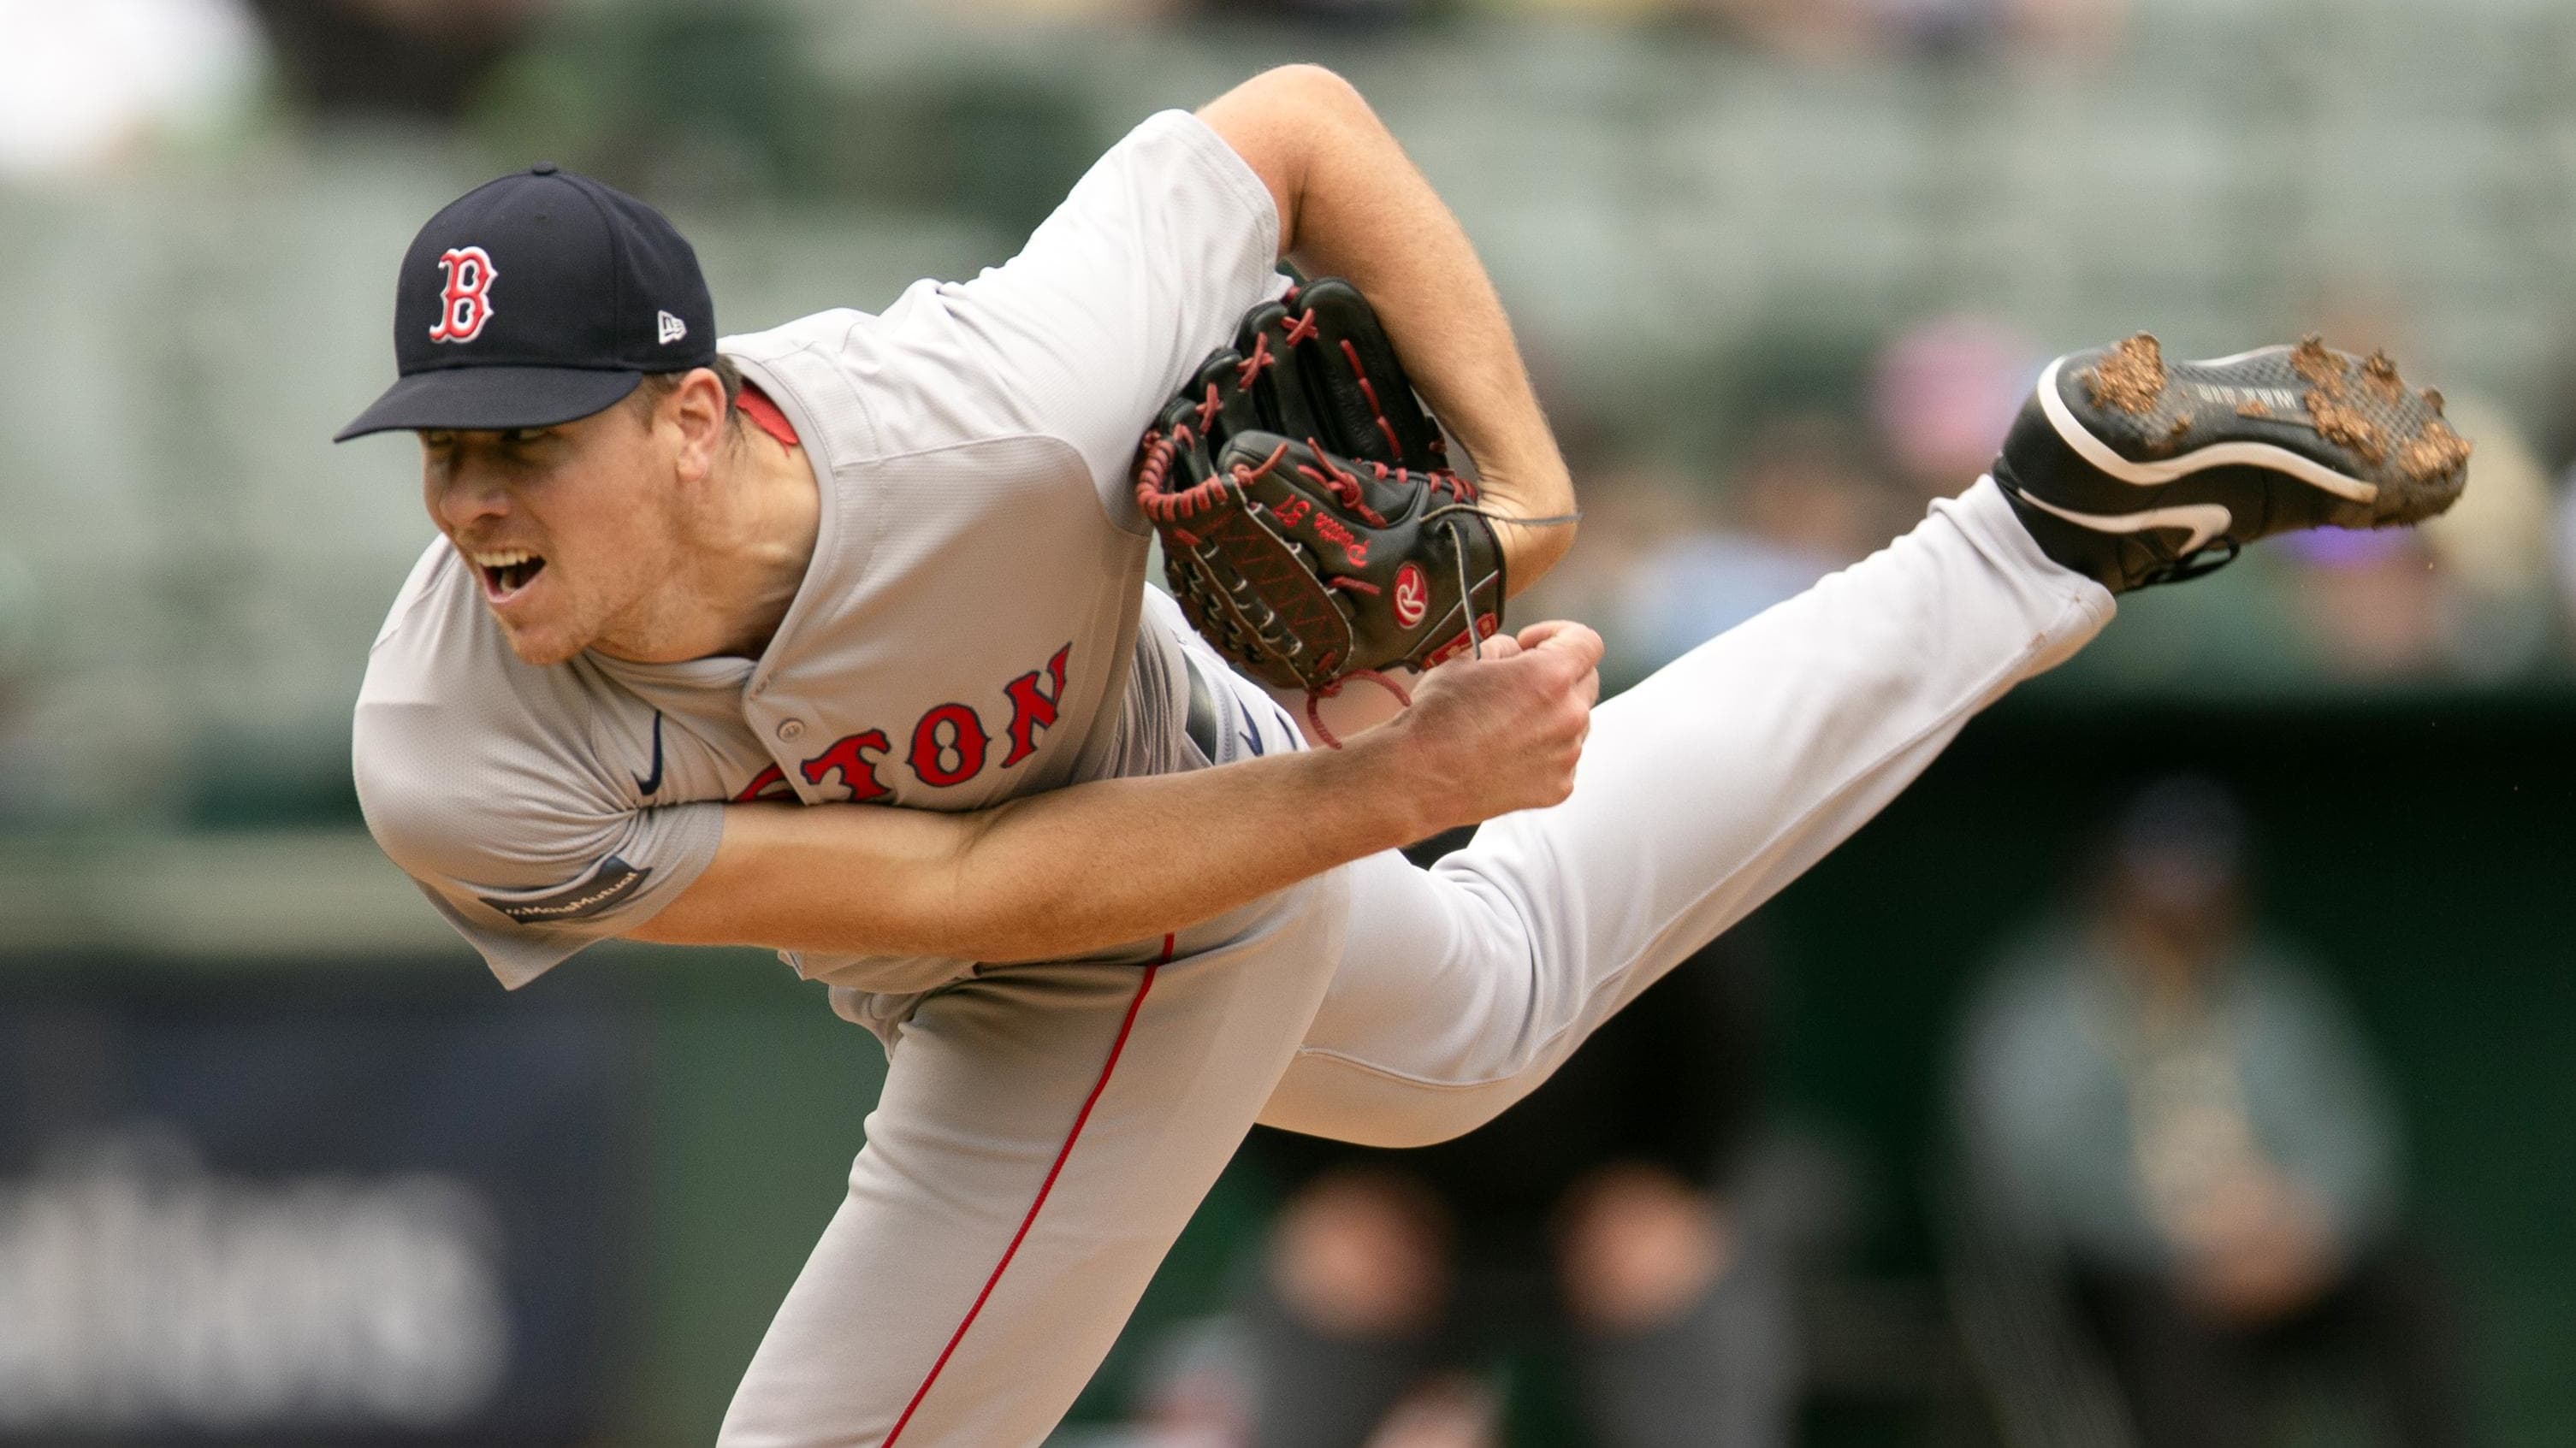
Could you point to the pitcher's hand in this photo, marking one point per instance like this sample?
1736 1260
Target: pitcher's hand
1487 736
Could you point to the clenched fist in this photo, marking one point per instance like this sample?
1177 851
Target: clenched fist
1489 736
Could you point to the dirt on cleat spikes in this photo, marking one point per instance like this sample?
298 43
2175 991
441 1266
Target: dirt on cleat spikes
2318 364
2435 452
2131 378
2343 426
2253 407
2380 373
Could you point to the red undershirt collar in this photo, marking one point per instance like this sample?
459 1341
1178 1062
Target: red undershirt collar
764 414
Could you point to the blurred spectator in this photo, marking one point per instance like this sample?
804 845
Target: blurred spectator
1631 511
83 86
1943 393
1594 1217
2178 1122
1667 562
412 59
2469 596
2493 549
2369 604
2494 540
1801 507
2466 596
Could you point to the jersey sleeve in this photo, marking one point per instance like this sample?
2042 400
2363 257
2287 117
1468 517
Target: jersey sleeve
528 872
1119 295
490 801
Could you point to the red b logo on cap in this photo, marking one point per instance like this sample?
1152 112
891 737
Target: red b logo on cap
466 304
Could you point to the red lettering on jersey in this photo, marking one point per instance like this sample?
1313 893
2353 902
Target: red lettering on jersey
966 740
1033 709
466 302
770 783
849 759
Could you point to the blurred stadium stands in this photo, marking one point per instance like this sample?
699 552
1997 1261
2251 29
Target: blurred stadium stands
1699 233
1673 221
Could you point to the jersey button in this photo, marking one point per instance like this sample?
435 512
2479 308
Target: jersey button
791 730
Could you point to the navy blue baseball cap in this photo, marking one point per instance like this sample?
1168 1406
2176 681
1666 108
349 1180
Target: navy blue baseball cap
536 299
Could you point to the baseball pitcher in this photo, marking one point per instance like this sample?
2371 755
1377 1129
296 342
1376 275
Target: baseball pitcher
836 639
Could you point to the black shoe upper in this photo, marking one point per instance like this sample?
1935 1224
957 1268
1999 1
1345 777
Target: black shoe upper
2135 471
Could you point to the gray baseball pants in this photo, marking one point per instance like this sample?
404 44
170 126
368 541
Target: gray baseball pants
1046 1131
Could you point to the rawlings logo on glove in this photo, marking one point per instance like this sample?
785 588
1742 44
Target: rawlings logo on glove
1312 526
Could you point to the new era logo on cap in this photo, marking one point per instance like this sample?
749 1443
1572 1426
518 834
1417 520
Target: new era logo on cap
523 304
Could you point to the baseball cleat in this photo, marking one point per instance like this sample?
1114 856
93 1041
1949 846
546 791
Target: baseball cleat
2135 471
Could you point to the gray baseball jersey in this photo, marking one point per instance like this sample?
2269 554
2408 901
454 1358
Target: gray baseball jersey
969 629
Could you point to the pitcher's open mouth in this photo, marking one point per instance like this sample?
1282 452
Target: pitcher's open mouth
507 571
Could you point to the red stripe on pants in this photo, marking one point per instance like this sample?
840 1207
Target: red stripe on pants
1116 1047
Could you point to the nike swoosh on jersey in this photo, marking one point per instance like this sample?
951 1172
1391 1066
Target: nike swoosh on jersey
1251 735
647 783
2205 520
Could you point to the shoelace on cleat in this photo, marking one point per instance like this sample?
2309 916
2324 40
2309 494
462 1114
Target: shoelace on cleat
2195 564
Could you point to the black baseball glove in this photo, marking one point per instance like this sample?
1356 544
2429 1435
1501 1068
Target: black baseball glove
1312 526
